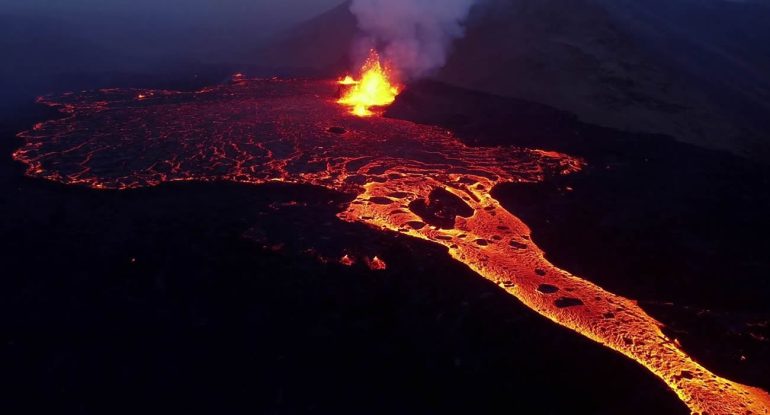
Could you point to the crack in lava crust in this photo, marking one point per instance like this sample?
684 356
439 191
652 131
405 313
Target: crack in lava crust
293 131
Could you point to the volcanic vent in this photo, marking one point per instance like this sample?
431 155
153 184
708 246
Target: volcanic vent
375 87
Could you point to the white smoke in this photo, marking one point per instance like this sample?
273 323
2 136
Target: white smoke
415 36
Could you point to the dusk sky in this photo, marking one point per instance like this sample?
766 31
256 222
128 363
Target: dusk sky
262 11
44 40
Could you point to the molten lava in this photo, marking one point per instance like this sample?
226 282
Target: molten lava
406 178
376 88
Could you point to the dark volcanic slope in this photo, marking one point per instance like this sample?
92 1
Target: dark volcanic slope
635 66
317 47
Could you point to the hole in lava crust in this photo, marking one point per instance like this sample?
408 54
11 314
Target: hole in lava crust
565 302
441 208
547 288
337 130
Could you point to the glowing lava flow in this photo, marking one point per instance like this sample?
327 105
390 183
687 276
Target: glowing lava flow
376 87
111 139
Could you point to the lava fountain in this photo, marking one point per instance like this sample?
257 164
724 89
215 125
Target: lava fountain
375 87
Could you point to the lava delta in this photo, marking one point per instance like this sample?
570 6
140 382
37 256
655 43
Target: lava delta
413 179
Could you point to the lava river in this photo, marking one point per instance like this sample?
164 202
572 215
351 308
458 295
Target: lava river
404 177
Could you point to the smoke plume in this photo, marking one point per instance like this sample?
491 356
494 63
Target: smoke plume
414 36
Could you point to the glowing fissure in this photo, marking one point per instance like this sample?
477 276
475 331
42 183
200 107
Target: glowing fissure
114 140
375 88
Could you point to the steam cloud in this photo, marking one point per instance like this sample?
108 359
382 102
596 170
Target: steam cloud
414 35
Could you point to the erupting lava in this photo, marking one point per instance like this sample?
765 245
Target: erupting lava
376 88
413 179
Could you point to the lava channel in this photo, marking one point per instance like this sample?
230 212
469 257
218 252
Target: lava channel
408 178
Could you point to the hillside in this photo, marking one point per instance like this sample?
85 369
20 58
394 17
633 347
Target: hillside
633 65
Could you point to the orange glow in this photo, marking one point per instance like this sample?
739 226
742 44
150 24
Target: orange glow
347 261
377 264
376 88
